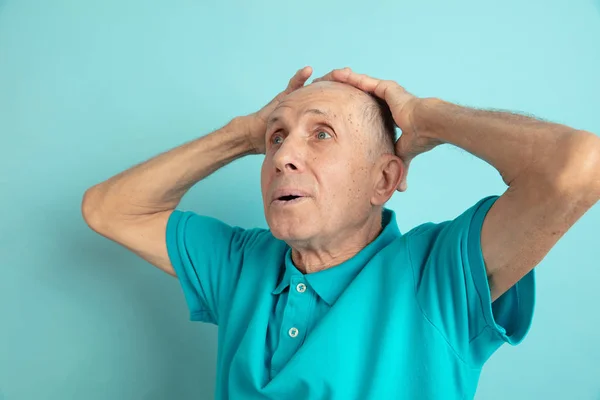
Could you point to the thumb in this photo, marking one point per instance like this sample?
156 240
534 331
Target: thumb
299 79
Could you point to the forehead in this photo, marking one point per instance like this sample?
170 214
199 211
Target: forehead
328 99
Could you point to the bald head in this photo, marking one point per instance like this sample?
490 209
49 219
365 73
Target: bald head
374 113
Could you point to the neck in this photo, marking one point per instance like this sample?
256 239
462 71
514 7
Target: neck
309 257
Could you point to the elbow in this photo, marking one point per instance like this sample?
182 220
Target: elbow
91 208
580 172
595 174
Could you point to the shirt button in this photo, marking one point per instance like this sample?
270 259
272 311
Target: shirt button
293 332
301 287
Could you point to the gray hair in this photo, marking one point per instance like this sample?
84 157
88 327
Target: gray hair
377 113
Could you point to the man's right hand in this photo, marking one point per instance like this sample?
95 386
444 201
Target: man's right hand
257 122
133 207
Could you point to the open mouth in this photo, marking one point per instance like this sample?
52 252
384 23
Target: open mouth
289 197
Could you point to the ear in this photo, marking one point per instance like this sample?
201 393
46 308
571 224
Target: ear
387 174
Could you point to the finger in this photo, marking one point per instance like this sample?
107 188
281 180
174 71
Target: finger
299 79
387 90
333 75
326 77
363 82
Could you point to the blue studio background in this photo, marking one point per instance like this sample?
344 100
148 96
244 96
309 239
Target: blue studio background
88 89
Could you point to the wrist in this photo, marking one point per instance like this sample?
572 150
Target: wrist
425 118
245 126
240 125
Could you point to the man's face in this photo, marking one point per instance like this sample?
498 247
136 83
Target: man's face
317 148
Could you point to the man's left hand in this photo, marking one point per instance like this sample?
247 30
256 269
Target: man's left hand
402 104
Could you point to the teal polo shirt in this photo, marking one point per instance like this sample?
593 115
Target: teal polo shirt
408 317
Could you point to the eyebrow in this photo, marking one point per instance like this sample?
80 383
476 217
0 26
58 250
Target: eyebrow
316 111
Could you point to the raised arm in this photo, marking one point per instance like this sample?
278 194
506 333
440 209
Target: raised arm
552 170
132 208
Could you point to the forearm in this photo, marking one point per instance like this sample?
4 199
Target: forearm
159 183
509 142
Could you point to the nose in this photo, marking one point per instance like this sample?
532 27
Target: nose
289 157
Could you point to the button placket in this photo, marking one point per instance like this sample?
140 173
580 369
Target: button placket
295 322
302 301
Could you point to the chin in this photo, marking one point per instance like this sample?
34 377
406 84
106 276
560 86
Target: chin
286 236
290 228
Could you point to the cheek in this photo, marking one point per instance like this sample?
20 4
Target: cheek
356 180
338 178
264 175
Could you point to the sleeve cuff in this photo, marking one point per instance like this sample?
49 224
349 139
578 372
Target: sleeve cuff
175 244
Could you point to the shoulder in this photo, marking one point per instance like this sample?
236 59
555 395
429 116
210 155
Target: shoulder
197 230
449 234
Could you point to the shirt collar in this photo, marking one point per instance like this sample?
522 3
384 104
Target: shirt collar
331 282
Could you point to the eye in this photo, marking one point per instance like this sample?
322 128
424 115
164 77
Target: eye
277 139
323 135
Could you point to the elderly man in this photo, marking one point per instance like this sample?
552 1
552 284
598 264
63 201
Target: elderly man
333 301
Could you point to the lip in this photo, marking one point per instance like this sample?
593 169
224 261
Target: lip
288 192
288 203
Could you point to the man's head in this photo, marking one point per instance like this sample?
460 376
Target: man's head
333 145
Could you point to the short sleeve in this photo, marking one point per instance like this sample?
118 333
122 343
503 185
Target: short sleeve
207 256
453 292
